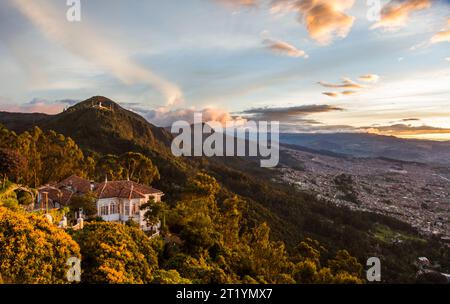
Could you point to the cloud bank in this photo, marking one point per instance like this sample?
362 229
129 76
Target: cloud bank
164 117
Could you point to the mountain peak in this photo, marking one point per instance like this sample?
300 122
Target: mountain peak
96 102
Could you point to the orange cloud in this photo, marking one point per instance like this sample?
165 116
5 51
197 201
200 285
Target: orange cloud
245 3
284 48
331 94
324 20
373 78
406 130
352 87
164 116
396 13
346 84
349 93
38 106
443 35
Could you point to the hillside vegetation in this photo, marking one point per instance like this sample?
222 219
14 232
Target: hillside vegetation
226 221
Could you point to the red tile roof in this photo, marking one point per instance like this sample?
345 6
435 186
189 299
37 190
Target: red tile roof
75 183
61 196
63 191
124 189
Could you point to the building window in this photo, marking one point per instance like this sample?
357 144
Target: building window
127 209
114 208
104 210
136 209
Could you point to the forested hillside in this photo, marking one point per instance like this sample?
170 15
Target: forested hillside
225 220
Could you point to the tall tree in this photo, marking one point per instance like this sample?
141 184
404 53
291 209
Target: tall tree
12 164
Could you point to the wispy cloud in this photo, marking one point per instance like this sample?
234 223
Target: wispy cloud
338 94
84 42
405 130
372 78
396 13
38 105
287 114
346 83
284 48
443 35
332 94
351 87
245 3
293 119
410 119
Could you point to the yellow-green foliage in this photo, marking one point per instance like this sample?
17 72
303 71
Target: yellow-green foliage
343 269
50 156
8 197
32 250
169 277
115 253
216 248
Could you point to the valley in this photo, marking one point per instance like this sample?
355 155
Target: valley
416 193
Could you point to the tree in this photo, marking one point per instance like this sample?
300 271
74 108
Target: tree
343 269
203 184
13 196
264 259
344 262
155 211
108 166
44 156
131 166
115 253
138 168
11 164
169 277
87 202
33 251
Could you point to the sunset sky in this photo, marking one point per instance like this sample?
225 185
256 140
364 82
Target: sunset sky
314 65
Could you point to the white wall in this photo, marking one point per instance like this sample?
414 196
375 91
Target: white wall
139 218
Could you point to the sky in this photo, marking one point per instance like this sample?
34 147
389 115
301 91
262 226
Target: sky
314 65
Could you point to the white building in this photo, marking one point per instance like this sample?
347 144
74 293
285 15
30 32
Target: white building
117 201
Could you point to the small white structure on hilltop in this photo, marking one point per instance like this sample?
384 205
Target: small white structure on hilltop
101 106
117 201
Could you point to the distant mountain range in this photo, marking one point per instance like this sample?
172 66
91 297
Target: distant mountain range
120 128
371 145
